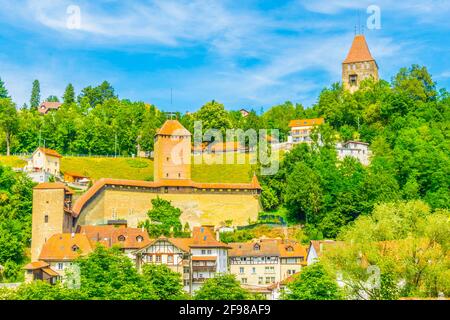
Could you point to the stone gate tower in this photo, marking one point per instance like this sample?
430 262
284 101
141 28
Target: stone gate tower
172 152
358 65
52 213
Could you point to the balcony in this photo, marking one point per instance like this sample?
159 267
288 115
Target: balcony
204 268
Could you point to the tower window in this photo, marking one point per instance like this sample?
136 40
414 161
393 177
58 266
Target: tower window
179 175
353 79
167 158
167 175
46 218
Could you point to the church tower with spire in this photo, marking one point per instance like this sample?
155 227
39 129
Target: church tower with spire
358 65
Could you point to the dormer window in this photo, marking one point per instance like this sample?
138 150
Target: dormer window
121 238
75 248
289 249
256 247
139 239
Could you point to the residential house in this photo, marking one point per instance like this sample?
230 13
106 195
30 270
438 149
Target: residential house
244 112
316 249
301 130
43 164
76 178
355 149
61 250
262 262
197 258
225 147
47 106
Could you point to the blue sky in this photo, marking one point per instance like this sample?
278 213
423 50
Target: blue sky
248 54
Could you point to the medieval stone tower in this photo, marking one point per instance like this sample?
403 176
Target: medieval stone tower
358 65
172 152
51 214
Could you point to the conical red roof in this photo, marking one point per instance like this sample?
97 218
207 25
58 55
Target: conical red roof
173 127
359 51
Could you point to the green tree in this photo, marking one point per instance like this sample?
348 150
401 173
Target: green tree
164 219
166 283
222 287
90 96
9 122
35 99
52 99
107 274
313 283
213 116
3 91
69 94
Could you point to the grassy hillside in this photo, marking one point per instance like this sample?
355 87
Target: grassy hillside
12 161
142 169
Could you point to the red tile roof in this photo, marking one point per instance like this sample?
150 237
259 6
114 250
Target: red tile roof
54 185
49 152
109 235
65 247
173 128
98 186
306 122
359 51
268 247
47 105
36 265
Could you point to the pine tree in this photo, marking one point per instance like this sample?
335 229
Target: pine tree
69 94
35 95
3 91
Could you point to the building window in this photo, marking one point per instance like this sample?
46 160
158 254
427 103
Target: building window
241 270
179 175
46 218
244 280
209 251
139 239
253 270
169 259
260 280
353 79
289 249
60 266
203 251
167 158
158 259
167 175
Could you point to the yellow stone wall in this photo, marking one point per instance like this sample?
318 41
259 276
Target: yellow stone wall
46 202
363 70
198 209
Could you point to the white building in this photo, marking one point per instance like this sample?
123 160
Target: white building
355 149
43 164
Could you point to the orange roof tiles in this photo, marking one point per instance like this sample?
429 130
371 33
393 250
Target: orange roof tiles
49 152
109 235
202 237
47 105
321 245
65 247
225 146
98 186
173 127
36 265
268 247
306 122
359 51
53 185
